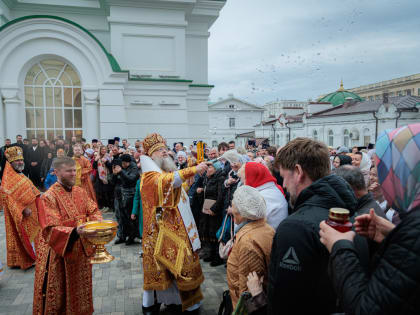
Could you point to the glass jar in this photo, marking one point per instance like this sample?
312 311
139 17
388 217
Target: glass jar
339 219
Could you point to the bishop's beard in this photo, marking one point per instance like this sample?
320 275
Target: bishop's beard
166 164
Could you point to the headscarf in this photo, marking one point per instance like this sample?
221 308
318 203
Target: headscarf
398 163
344 159
256 174
216 164
249 202
366 162
343 149
181 153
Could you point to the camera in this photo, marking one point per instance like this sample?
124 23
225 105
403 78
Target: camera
234 176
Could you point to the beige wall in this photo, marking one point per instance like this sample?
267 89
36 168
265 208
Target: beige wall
393 87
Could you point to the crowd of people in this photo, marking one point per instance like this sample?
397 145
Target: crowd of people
261 211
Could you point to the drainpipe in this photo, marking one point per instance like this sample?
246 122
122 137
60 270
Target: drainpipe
274 133
376 125
287 126
398 117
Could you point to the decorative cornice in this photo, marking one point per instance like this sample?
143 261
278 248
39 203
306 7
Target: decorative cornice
201 86
160 80
112 61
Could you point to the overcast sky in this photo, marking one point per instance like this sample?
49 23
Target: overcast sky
263 50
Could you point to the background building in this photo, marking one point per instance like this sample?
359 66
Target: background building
276 108
97 68
231 117
408 85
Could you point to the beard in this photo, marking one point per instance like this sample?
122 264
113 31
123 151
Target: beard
166 164
18 167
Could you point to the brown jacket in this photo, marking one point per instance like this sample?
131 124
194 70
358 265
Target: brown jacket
250 252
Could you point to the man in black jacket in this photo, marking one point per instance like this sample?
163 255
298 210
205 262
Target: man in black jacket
124 178
354 176
298 281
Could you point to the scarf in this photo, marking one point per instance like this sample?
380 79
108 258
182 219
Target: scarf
257 174
366 162
103 170
398 163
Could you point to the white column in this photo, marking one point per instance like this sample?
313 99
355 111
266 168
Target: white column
13 118
2 122
91 118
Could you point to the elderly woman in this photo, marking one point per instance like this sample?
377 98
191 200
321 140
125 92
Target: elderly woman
252 247
212 212
181 160
258 176
392 285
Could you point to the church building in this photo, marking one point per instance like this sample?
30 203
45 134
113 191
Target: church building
105 68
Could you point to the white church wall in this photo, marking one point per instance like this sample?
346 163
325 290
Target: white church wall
148 41
198 114
156 106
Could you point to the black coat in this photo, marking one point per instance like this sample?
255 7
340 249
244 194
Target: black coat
126 180
213 189
34 171
45 167
392 286
365 203
298 281
228 192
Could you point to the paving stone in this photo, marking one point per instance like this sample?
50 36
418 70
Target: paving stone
117 286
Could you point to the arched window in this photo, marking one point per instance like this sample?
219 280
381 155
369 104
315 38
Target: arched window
315 135
346 138
331 138
53 102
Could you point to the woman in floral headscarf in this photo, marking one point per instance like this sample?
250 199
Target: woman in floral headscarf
392 286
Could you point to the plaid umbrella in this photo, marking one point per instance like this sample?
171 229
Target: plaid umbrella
398 162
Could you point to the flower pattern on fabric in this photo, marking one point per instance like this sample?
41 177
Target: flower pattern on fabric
157 191
63 257
16 194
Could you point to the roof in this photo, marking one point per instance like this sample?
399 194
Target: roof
339 97
402 103
236 99
249 134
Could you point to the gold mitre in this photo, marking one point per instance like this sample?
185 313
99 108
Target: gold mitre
13 154
153 142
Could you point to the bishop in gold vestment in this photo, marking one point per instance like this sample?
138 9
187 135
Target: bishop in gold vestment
63 274
169 236
19 198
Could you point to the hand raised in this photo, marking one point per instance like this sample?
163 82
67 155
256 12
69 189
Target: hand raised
201 168
373 226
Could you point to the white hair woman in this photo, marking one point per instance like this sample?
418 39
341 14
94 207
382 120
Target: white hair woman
252 247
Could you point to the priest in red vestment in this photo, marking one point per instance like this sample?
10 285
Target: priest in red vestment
19 198
83 171
63 273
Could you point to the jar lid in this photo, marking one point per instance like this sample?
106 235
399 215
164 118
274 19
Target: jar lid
339 214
